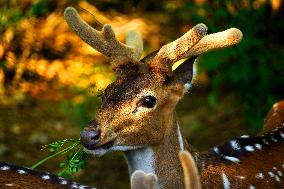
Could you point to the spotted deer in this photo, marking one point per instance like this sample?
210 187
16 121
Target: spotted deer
138 117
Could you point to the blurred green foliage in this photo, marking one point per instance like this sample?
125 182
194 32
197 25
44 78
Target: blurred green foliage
253 70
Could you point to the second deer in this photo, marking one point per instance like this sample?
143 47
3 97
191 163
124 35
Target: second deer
138 115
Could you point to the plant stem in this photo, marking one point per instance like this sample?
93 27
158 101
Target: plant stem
54 155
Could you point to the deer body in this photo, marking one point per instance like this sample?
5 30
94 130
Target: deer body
16 177
138 116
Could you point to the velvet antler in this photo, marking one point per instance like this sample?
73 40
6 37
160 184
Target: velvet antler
105 41
175 50
190 171
194 43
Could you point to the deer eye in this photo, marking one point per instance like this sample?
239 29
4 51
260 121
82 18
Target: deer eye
148 101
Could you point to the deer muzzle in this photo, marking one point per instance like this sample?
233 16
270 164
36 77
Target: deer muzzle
94 137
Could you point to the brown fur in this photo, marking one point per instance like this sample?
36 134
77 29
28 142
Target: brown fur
241 175
275 117
26 181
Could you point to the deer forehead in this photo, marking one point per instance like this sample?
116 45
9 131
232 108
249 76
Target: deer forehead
125 90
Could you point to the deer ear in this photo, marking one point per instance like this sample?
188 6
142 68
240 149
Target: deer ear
183 74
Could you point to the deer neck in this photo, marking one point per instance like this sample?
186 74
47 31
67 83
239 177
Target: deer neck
161 159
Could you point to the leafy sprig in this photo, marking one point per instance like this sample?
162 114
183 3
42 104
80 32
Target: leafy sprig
76 157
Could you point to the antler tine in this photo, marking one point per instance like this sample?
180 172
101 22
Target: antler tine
214 41
105 41
175 50
134 39
190 171
141 180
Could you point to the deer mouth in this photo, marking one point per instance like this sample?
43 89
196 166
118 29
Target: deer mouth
105 146
99 150
109 146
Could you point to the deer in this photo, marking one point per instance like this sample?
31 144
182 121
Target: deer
137 114
18 177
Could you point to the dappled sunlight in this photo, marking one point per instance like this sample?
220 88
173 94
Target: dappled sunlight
42 55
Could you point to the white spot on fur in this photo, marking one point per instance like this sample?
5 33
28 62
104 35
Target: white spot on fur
232 159
74 185
21 171
226 182
9 184
281 134
271 174
5 168
276 177
258 146
279 173
265 141
274 139
259 176
244 136
82 187
63 182
235 145
251 187
249 148
180 140
216 150
45 177
241 177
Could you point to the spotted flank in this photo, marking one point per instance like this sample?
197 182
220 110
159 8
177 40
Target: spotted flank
44 176
234 149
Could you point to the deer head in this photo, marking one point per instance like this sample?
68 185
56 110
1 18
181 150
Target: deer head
138 106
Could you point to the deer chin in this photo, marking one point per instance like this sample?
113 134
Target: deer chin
102 150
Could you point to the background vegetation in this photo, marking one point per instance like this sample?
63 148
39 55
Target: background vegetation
49 78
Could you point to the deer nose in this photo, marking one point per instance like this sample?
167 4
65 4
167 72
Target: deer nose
90 136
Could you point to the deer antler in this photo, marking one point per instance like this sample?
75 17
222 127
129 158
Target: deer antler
175 50
190 171
141 180
194 43
105 41
214 41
